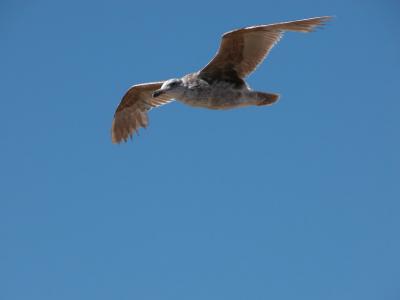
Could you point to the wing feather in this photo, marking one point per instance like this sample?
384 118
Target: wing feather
242 50
131 113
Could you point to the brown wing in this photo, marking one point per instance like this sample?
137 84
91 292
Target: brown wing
131 113
242 50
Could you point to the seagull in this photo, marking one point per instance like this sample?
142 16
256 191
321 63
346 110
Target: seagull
219 85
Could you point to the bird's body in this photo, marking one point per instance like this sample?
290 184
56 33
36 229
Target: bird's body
213 95
219 85
217 94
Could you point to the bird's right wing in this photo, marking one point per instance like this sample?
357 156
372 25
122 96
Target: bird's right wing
242 50
131 113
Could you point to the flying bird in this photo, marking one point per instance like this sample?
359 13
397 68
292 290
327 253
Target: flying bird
219 85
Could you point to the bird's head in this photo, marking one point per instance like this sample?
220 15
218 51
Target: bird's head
173 87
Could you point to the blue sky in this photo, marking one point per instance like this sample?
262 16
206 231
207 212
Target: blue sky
299 200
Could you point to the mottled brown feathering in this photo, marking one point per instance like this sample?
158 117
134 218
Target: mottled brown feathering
219 85
242 50
131 113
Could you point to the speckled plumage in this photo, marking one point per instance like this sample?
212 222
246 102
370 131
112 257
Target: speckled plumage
219 85
213 95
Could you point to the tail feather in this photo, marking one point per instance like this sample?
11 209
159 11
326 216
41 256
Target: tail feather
262 98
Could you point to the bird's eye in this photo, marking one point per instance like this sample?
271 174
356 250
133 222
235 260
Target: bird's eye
175 83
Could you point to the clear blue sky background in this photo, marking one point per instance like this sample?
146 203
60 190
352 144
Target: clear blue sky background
295 201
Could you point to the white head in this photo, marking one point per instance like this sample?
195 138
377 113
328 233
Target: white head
172 87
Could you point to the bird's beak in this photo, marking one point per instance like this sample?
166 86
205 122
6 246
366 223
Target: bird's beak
158 93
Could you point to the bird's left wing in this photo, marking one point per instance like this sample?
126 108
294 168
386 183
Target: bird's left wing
131 113
242 50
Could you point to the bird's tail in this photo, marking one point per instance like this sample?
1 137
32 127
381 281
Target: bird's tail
261 98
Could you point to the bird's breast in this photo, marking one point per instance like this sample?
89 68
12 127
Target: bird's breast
216 96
